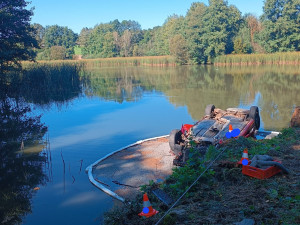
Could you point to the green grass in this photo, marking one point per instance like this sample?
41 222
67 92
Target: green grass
77 50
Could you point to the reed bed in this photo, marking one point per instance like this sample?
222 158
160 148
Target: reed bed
279 58
46 82
160 61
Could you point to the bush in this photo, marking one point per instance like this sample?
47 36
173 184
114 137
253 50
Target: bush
43 55
57 52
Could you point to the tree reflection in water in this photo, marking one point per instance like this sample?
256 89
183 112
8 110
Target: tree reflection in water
53 83
273 88
21 172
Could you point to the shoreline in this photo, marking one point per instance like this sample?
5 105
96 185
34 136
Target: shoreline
220 196
279 58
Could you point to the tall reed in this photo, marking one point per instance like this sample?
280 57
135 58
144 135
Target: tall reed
279 58
160 61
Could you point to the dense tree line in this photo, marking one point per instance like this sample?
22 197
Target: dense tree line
205 32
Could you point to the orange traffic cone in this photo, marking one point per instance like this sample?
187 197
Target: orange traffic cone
245 158
148 211
230 128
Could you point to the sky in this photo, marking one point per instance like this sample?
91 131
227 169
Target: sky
77 14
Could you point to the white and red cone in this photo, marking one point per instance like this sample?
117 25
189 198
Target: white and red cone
148 211
245 158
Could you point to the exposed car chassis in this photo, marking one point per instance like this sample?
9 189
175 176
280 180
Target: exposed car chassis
212 130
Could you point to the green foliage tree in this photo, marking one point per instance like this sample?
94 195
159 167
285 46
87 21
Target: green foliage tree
239 46
194 30
100 42
127 35
130 25
211 30
136 51
112 39
243 41
220 24
178 48
281 25
57 53
205 33
16 35
44 54
39 33
83 37
172 26
60 36
146 44
109 49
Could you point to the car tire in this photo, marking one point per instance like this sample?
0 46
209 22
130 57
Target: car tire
254 114
209 110
174 140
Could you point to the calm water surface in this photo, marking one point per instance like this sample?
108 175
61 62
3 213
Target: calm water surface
108 108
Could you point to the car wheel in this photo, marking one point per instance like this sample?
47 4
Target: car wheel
254 114
174 140
209 109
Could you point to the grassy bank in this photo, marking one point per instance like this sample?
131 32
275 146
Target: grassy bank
224 195
280 58
160 61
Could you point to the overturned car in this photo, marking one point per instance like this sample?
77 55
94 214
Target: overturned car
214 128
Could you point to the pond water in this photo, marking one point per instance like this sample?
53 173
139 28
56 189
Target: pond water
99 110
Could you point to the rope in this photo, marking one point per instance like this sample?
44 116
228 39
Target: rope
190 186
